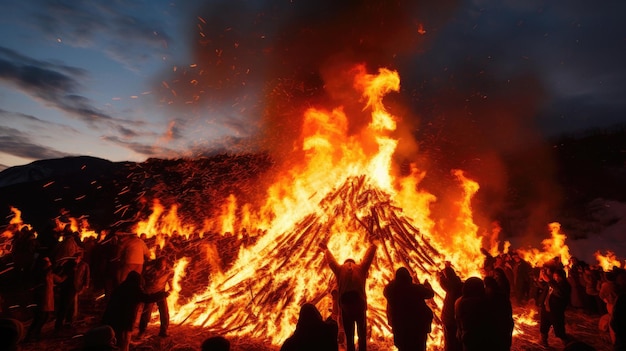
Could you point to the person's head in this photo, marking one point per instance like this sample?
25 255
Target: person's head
215 343
309 317
491 285
403 276
133 278
559 275
473 287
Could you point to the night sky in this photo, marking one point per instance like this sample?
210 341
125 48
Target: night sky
128 80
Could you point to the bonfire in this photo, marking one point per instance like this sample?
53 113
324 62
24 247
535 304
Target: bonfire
345 192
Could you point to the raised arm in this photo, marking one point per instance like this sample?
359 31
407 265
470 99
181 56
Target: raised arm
330 259
369 257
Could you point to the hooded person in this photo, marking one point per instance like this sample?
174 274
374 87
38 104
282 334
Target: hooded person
408 314
312 332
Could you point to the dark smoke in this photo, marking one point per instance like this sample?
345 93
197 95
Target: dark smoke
263 63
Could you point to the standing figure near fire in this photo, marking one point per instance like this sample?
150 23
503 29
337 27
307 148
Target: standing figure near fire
133 253
452 284
121 310
156 279
351 279
44 297
408 314
474 327
312 333
553 303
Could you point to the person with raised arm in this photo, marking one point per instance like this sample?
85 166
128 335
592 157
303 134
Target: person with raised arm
351 278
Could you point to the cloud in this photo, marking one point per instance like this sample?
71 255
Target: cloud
57 86
128 32
17 143
141 148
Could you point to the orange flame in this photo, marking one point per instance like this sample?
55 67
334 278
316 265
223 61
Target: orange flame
552 248
608 261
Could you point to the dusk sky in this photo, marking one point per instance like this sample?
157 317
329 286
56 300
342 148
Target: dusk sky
103 78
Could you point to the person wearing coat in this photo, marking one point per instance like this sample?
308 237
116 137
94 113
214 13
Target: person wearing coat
312 332
453 286
121 310
351 278
553 304
408 314
44 297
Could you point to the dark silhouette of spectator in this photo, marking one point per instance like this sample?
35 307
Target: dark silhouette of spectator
67 248
501 279
312 332
592 279
43 297
23 250
67 293
501 315
11 333
156 279
408 314
101 338
82 279
609 293
618 317
121 310
110 253
453 286
133 253
473 324
351 279
215 343
553 304
575 279
522 279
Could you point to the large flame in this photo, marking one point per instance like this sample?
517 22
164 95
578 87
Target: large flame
345 194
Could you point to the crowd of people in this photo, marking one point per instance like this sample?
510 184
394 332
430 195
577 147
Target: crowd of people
118 268
476 314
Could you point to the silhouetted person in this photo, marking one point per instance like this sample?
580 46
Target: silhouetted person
67 248
473 322
122 308
453 286
618 317
43 297
522 279
408 314
553 304
67 293
500 315
157 279
82 279
215 343
351 279
312 332
504 286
